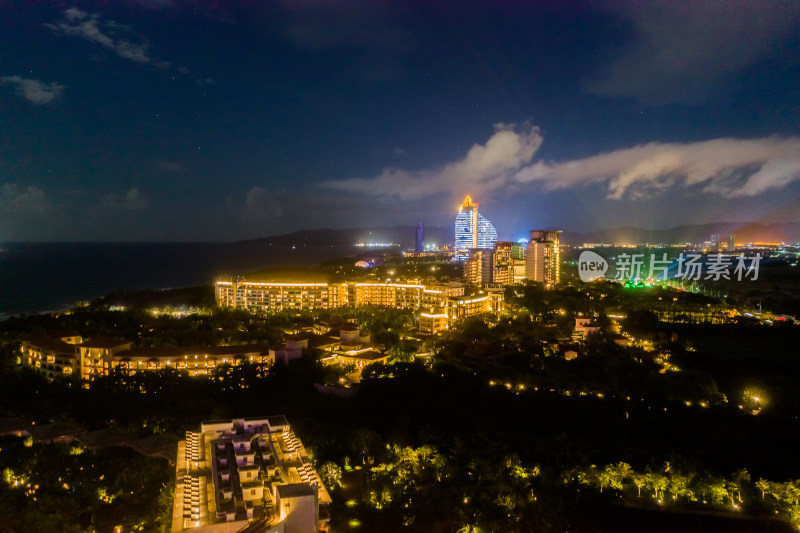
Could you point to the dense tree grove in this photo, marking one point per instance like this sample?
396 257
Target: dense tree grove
492 429
65 487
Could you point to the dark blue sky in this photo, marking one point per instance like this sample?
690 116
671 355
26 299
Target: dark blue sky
182 120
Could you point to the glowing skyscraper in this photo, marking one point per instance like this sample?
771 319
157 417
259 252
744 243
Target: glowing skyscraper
543 257
473 230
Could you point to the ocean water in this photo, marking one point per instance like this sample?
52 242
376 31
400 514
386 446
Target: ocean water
38 277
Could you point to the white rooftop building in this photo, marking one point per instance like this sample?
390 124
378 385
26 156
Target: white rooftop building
247 475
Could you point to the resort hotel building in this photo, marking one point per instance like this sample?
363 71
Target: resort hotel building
441 304
247 475
65 353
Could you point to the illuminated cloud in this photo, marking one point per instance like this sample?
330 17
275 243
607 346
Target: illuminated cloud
33 90
485 167
132 200
728 167
14 199
688 52
106 33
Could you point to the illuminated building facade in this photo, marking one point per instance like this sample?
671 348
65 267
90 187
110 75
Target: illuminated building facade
280 296
97 355
478 268
543 257
503 263
518 263
497 266
715 243
52 356
436 295
433 321
398 295
456 308
472 230
196 361
268 296
441 304
249 473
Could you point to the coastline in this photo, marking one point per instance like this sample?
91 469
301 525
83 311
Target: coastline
42 277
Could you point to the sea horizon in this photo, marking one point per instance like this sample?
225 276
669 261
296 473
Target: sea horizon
41 277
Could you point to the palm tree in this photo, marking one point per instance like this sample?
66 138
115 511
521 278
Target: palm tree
640 480
740 478
622 472
762 485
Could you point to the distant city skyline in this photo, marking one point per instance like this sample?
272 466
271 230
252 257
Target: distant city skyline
165 120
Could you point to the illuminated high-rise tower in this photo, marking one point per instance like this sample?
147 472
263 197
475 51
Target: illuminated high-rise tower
543 257
473 230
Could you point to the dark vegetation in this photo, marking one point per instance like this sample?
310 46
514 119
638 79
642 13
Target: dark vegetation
495 431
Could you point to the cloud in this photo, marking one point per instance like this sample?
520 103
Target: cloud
484 168
116 37
261 204
727 167
14 199
132 200
686 52
34 91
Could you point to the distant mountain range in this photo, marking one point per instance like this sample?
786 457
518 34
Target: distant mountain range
788 232
404 236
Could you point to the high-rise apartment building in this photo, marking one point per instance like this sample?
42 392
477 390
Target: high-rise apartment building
517 262
496 266
420 238
503 263
472 230
478 266
543 257
715 243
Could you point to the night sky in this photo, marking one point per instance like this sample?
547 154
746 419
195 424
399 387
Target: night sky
160 120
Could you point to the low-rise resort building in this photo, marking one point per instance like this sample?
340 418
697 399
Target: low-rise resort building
52 355
247 475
